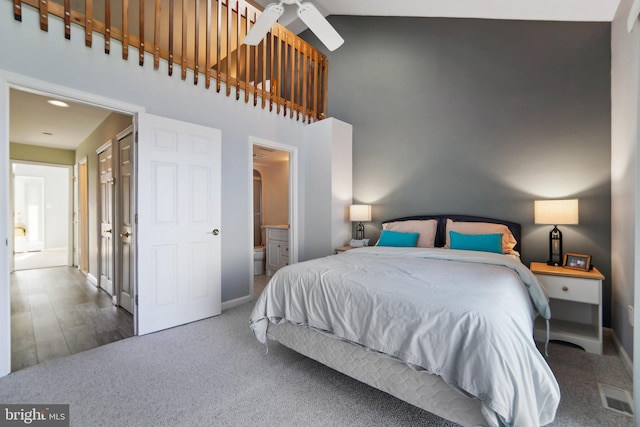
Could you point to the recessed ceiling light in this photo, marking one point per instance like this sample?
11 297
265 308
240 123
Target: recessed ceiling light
57 103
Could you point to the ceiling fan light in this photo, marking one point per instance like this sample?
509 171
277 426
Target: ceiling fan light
319 25
269 16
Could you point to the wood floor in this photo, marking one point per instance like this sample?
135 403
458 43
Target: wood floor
56 312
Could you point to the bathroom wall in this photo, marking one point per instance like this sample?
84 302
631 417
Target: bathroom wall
275 191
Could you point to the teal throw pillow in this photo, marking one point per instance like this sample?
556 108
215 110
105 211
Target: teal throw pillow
476 242
398 239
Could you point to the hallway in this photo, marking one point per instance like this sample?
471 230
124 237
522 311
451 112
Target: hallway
56 312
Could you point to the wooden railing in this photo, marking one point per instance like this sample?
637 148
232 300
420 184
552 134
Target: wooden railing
204 38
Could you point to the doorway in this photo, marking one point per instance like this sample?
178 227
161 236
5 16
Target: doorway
273 210
41 212
60 310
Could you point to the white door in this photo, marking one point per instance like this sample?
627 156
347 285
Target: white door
126 218
105 168
179 236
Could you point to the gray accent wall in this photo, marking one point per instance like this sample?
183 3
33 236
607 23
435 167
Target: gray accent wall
480 117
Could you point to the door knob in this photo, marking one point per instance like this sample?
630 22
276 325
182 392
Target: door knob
215 232
125 234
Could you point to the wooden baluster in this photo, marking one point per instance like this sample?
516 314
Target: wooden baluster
298 83
44 15
247 60
325 86
141 27
228 56
272 79
263 45
219 47
238 19
183 65
196 44
304 83
238 36
314 105
125 29
17 10
88 26
280 78
171 13
67 19
285 75
107 26
156 35
256 60
292 78
207 41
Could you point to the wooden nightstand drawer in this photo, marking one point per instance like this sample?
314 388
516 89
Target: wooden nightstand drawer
572 289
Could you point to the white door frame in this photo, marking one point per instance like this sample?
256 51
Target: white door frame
293 200
7 81
83 214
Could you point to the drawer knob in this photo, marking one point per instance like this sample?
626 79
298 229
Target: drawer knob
564 288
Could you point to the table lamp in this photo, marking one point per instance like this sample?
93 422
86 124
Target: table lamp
359 213
556 212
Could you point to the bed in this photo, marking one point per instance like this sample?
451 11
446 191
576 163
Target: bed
443 320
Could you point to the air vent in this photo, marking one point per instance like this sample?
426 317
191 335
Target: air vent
616 399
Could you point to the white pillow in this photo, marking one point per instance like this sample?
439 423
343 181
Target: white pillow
426 228
508 241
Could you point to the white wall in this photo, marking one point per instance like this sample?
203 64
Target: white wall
625 57
329 177
275 192
48 58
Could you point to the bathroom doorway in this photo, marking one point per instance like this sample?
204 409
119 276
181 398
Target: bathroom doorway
271 207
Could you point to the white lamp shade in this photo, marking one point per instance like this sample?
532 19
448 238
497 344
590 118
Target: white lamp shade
556 212
360 212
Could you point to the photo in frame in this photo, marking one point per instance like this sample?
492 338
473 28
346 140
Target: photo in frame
577 261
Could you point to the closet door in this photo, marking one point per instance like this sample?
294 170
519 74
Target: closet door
106 261
126 217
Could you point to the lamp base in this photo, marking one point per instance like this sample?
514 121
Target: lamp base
360 231
555 247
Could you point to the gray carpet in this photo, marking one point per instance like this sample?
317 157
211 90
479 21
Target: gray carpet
214 373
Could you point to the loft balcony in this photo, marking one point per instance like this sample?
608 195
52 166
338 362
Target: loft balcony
202 40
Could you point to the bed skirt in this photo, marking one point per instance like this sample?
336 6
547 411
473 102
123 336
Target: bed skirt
419 388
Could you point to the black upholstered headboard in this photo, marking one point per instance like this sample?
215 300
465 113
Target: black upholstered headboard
442 223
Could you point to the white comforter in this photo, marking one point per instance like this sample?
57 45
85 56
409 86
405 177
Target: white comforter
465 316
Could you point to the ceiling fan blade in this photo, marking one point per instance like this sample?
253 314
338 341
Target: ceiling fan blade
264 23
320 26
633 15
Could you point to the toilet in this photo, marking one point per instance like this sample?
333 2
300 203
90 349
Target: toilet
258 260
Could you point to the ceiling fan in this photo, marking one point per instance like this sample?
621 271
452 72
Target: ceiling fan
307 12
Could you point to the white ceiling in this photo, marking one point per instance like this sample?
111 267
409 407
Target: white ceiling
538 10
31 116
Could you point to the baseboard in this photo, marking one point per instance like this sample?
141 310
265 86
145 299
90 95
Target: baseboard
236 302
92 279
628 363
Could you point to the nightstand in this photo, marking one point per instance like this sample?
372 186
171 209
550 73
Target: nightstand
343 249
575 298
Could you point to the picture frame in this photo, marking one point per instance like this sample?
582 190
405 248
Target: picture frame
574 261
